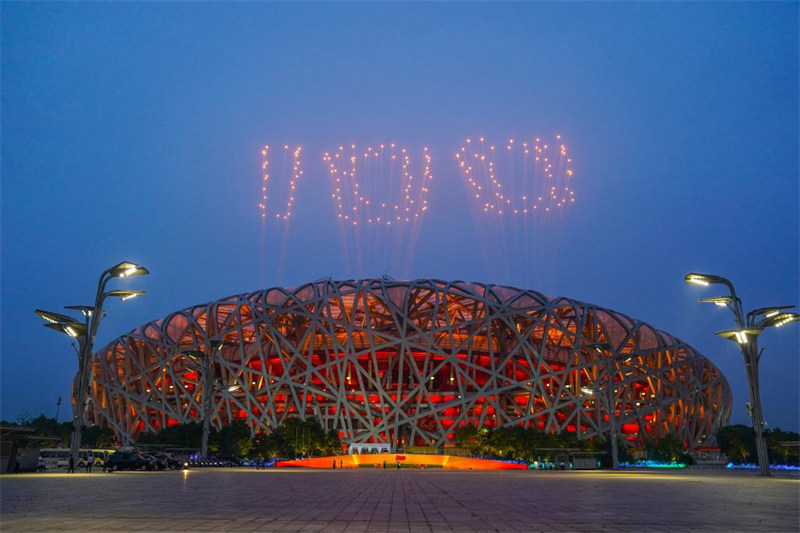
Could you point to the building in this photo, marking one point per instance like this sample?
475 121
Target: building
406 363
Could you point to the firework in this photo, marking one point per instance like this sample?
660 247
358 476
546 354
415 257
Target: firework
518 177
275 177
377 185
519 191
380 194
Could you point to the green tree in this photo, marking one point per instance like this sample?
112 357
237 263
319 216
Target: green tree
738 442
234 440
780 453
45 427
97 437
180 436
467 438
667 448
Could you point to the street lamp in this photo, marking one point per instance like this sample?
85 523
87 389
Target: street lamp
748 328
608 400
84 332
202 362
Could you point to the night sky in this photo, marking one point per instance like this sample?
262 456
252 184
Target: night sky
133 131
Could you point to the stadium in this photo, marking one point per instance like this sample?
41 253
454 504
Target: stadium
405 363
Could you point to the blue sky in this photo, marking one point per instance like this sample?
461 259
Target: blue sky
132 131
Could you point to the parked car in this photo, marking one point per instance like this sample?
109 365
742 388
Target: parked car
158 463
168 461
129 461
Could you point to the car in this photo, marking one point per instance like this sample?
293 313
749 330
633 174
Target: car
159 463
168 461
129 461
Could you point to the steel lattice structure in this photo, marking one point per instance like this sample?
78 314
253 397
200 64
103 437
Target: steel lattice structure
407 362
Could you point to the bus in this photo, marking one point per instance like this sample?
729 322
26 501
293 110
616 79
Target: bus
54 458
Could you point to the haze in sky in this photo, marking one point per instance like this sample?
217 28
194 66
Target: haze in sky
134 131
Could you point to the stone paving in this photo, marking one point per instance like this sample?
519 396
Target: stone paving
406 501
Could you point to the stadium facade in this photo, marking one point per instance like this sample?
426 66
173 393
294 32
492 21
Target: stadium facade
406 363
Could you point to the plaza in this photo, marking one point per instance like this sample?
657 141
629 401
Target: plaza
368 500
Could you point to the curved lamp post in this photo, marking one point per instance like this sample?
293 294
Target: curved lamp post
748 327
84 332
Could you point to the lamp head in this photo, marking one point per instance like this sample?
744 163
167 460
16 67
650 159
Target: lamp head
86 310
53 318
780 319
127 269
768 312
125 295
721 301
73 329
705 279
740 336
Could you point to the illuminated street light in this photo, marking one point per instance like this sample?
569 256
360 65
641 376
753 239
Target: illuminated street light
748 329
84 332
53 318
76 330
720 301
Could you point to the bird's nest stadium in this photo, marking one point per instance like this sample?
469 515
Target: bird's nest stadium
406 363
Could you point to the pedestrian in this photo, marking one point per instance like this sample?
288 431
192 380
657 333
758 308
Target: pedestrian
340 463
334 464
384 465
89 463
71 469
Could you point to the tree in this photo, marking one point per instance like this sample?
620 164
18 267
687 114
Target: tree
667 448
738 442
97 437
45 427
180 436
467 438
780 453
234 440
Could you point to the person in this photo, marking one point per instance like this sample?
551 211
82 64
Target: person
340 463
384 465
334 464
71 469
89 463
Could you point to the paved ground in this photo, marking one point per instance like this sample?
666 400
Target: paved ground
398 501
